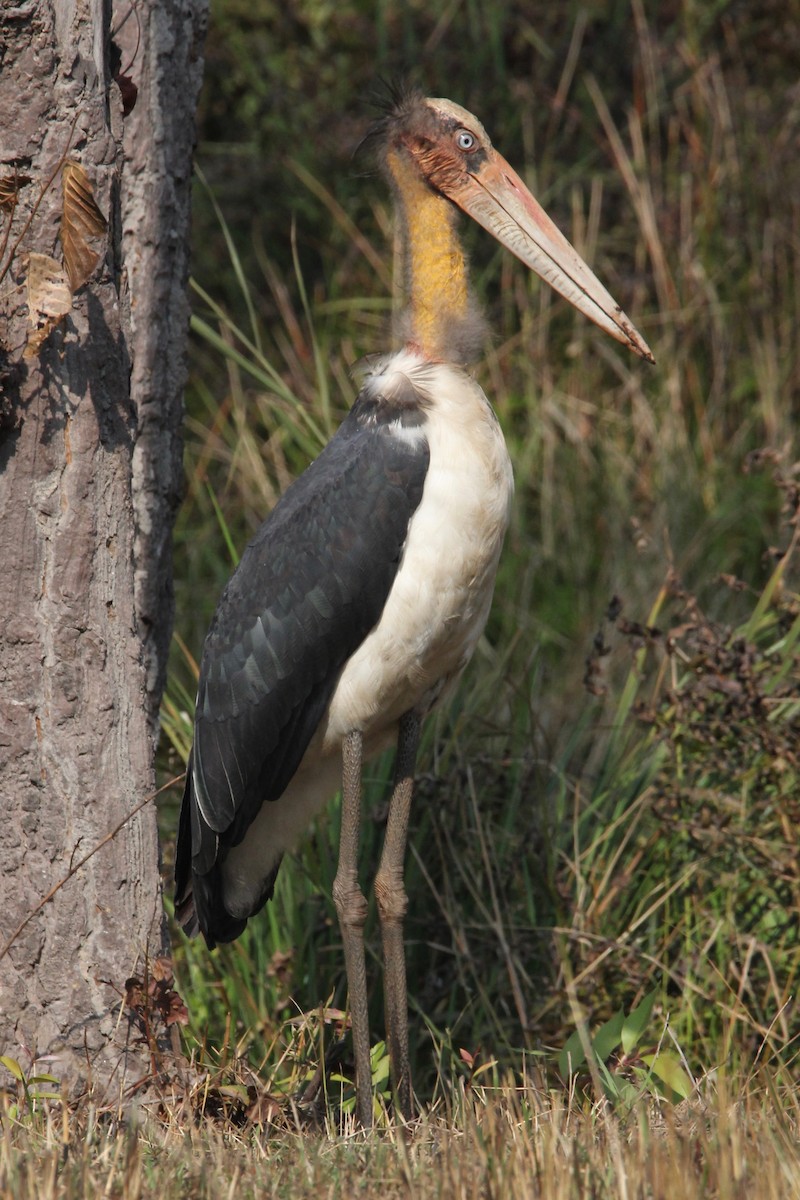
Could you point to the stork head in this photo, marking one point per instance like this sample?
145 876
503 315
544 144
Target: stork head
448 149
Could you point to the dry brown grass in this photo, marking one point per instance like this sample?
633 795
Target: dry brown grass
507 1142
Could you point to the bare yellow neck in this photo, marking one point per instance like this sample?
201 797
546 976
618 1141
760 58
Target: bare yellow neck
436 271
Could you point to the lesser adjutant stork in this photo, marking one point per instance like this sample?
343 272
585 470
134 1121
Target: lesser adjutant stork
360 600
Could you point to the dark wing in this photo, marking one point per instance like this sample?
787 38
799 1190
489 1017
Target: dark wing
309 588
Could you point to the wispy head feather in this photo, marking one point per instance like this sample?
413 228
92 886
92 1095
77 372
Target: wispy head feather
394 98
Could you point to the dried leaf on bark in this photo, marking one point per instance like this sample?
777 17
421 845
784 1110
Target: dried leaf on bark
49 299
9 190
128 93
81 223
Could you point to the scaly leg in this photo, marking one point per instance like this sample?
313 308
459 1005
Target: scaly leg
392 904
351 906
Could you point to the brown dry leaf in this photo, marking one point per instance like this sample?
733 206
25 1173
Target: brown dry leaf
49 299
81 222
265 1110
134 992
161 968
9 189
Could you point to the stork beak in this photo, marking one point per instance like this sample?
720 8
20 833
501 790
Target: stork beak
497 199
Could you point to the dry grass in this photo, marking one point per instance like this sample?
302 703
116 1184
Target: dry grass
521 1142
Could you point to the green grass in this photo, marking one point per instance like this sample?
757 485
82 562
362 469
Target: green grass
607 811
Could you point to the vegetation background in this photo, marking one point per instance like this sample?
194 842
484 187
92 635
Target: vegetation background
604 869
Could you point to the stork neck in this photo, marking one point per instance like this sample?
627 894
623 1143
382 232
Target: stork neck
435 266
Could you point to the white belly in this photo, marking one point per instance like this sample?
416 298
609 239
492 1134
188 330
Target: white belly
431 623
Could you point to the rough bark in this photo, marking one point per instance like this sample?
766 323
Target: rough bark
88 444
156 193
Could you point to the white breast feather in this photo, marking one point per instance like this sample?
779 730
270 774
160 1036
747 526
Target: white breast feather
441 596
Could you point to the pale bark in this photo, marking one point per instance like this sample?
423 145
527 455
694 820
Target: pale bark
88 443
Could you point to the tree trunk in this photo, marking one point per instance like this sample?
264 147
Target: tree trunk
89 479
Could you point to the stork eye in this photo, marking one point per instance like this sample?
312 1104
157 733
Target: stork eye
466 140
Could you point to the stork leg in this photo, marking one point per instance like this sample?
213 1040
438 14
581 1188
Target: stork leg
392 901
351 906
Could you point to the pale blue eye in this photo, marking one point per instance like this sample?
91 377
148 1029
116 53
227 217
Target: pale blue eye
465 140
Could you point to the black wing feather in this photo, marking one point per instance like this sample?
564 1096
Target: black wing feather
309 588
